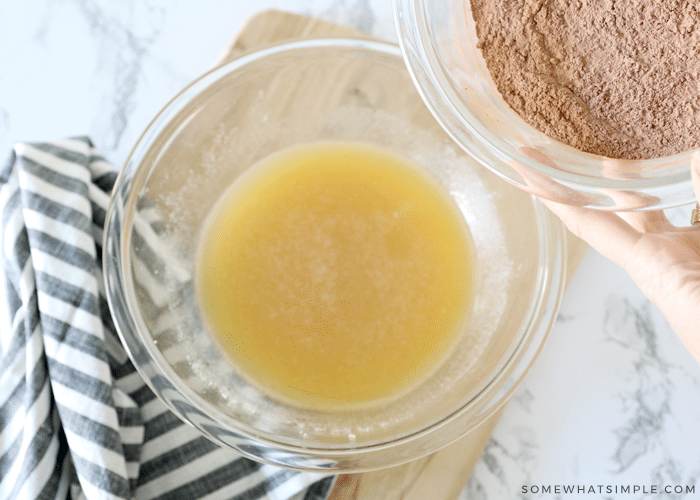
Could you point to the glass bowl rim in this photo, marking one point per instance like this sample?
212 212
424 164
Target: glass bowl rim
121 298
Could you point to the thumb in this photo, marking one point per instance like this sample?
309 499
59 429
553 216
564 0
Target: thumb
606 232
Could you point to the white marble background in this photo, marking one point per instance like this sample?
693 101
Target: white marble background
614 400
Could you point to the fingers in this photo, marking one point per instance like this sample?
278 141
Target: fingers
618 168
604 231
656 221
547 188
648 222
543 186
643 221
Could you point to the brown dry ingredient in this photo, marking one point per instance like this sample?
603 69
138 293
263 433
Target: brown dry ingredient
618 78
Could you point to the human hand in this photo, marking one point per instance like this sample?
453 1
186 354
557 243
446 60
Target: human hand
664 260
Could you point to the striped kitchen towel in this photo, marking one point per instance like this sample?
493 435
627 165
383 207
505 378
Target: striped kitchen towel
76 419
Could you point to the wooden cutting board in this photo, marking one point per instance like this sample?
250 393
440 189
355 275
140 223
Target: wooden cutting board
442 475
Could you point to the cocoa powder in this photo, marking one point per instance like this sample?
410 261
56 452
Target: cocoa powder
617 78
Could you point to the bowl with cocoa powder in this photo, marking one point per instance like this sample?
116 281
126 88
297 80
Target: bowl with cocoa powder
588 103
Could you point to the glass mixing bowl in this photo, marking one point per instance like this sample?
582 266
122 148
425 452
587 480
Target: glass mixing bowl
439 43
221 125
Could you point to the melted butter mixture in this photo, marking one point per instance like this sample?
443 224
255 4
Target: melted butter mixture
335 274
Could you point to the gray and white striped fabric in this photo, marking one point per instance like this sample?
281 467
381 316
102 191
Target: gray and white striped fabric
76 419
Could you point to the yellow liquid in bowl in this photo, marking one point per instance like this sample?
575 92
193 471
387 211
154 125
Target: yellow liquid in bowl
335 274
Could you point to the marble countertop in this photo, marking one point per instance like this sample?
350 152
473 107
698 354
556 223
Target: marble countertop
611 408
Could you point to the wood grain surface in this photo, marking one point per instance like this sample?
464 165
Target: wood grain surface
442 475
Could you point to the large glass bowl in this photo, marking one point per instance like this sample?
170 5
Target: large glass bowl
439 43
221 125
